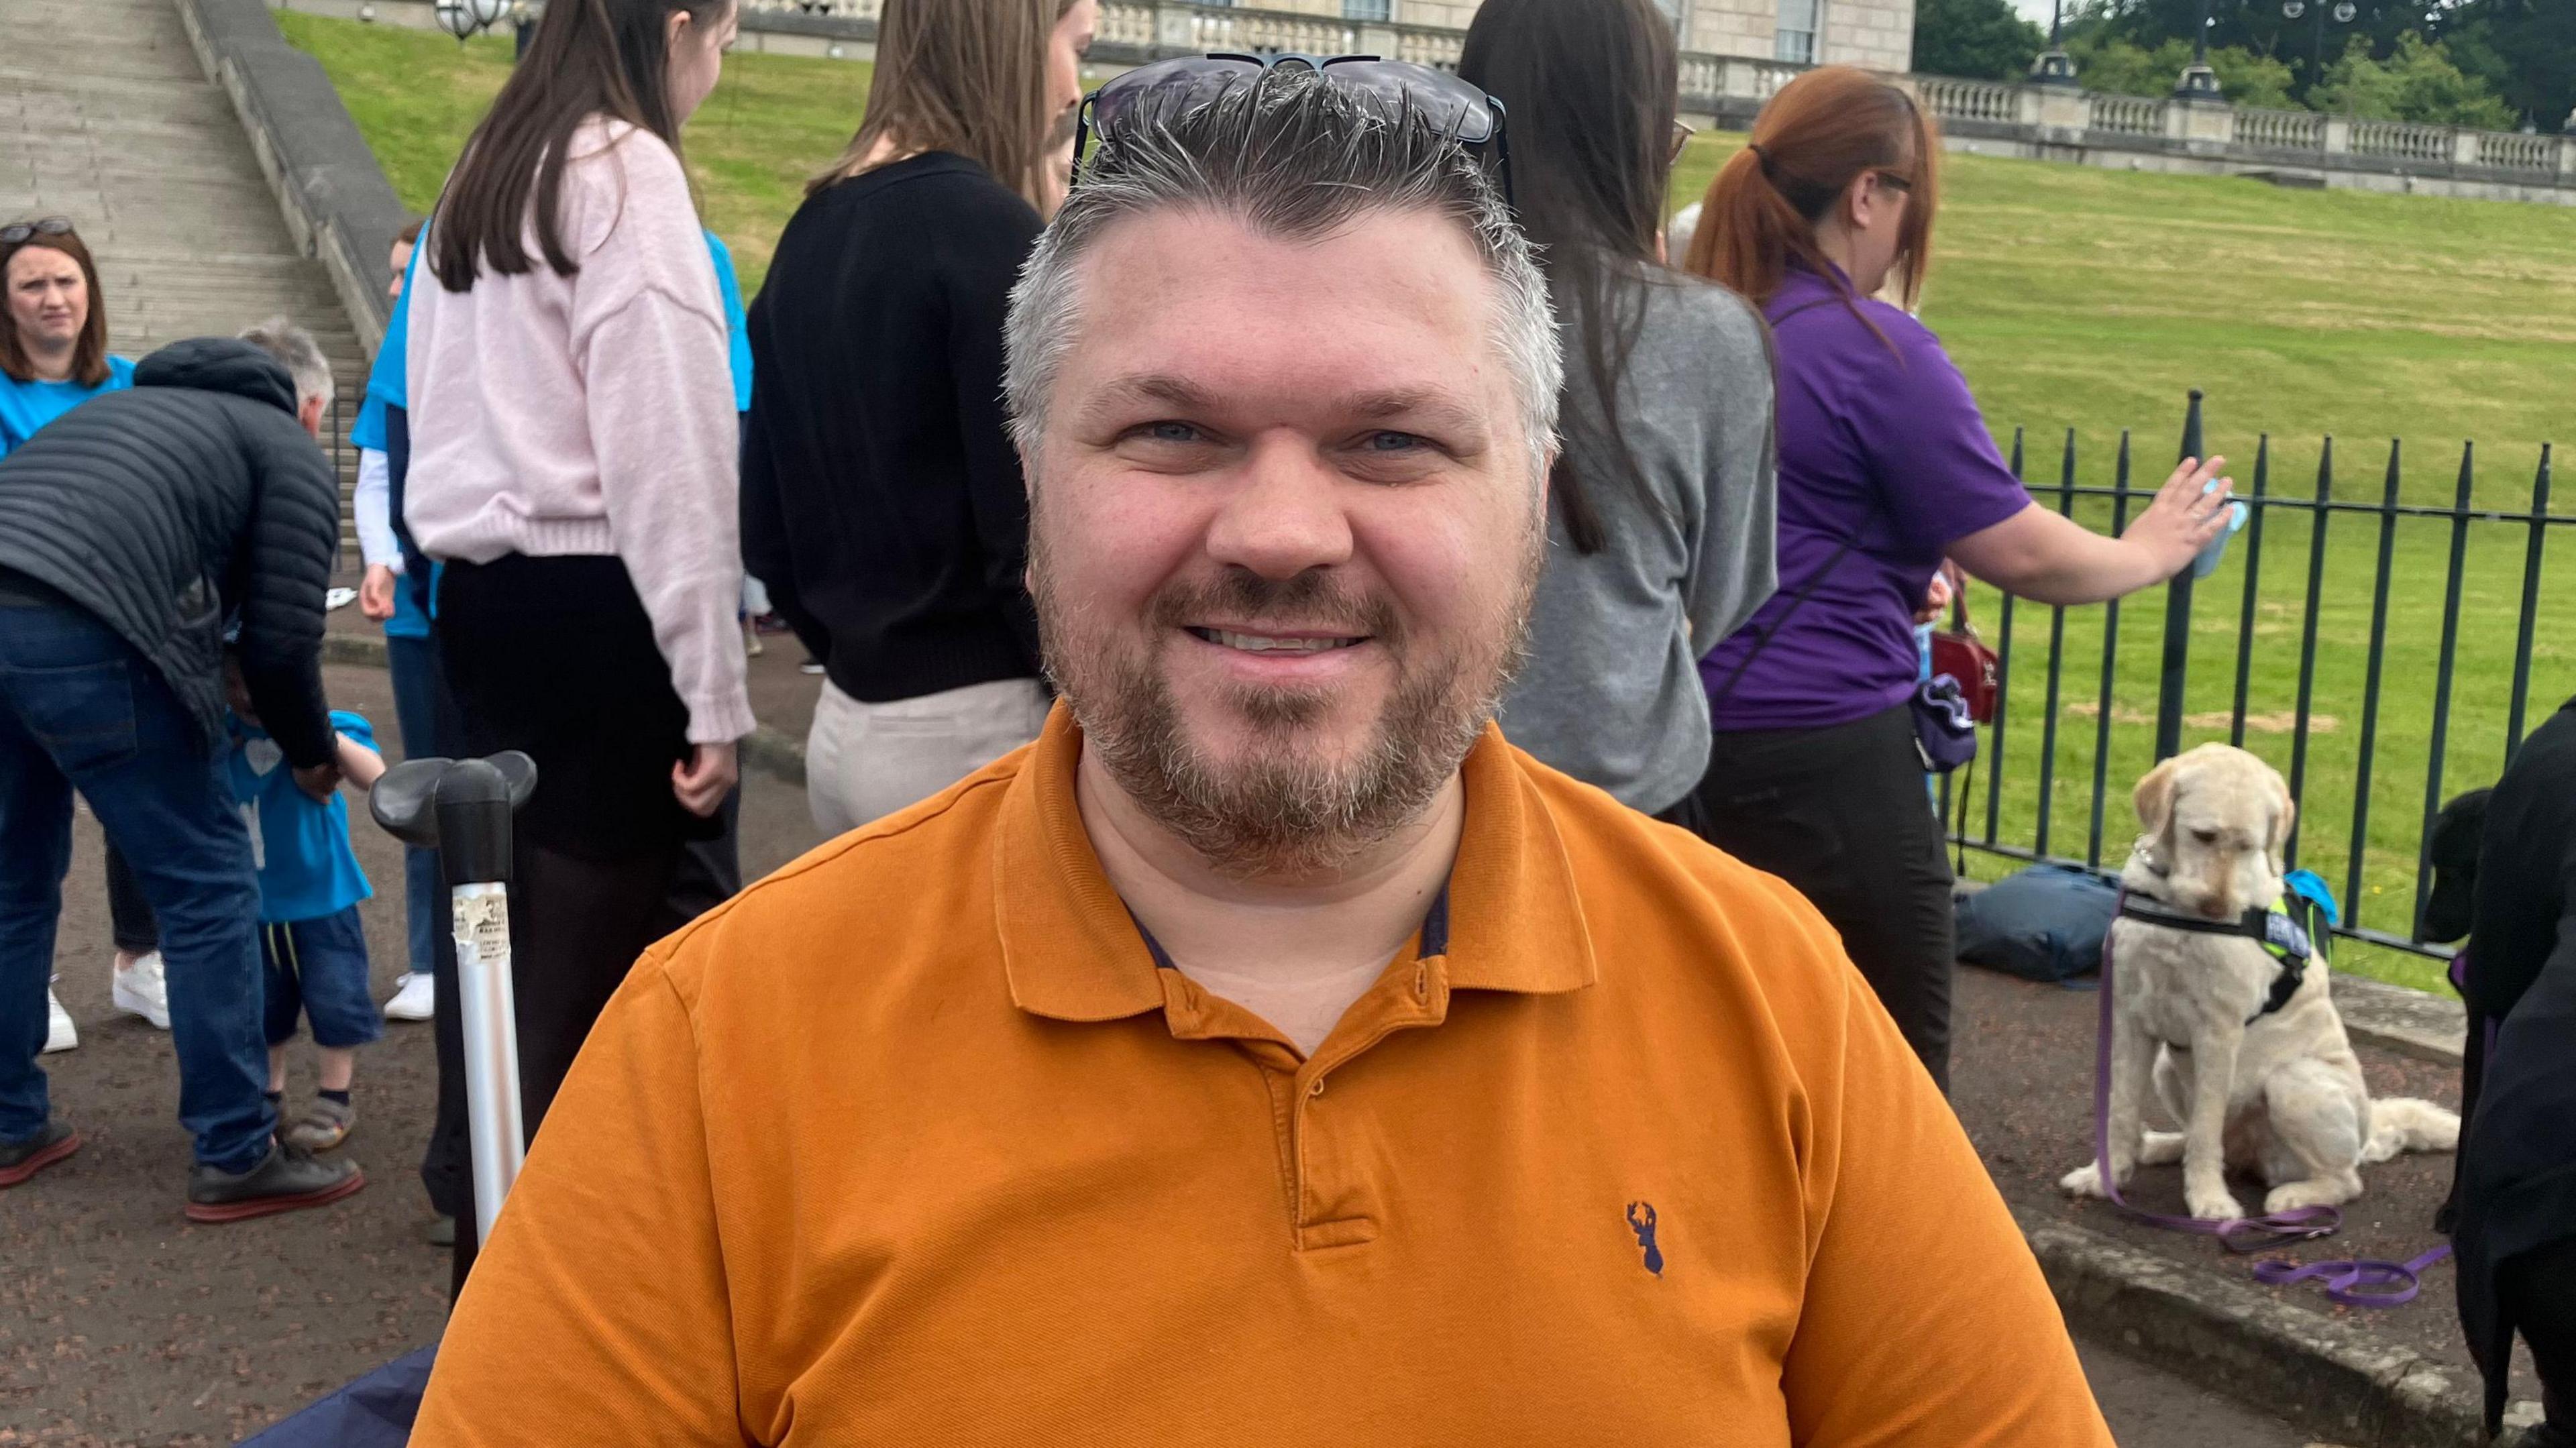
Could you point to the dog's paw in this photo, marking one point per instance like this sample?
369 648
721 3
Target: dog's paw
2294 1195
2212 1205
2084 1181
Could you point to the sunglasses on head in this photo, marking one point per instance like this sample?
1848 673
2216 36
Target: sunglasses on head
18 231
1469 116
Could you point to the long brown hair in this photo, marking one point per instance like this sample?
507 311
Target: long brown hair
89 353
1822 131
963 76
1591 87
588 58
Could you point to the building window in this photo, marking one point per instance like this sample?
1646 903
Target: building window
1380 10
1795 40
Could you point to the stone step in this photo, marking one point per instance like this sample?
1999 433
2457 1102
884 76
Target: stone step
138 68
34 95
28 104
50 156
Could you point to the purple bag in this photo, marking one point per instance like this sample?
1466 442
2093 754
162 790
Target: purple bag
1945 729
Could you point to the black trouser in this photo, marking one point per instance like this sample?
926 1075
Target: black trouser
131 922
2540 1291
1840 813
556 657
710 871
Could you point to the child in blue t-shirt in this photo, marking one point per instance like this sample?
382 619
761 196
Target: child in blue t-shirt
309 889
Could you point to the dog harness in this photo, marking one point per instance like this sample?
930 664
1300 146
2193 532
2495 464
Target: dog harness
2291 933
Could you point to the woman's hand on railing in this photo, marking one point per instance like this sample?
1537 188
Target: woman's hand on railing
2188 512
2043 556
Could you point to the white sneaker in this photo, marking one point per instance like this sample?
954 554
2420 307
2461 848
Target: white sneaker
141 991
60 1033
415 998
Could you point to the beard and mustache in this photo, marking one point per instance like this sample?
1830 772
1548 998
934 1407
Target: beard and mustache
1283 808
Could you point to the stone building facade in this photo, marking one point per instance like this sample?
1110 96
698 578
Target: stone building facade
1874 34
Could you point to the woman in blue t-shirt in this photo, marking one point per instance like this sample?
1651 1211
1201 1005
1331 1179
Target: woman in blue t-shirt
53 358
53 343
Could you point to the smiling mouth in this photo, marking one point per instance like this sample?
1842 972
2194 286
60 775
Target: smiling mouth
1272 644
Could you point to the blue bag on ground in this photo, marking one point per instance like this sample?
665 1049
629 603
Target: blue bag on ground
2044 923
376 1411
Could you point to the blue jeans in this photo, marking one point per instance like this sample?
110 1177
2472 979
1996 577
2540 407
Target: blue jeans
81 710
414 665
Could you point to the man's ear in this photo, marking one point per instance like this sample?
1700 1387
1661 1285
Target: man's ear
308 415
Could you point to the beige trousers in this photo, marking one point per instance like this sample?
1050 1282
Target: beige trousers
865 761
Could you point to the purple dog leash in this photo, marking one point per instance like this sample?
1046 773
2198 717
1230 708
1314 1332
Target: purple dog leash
2358 1282
2353 1283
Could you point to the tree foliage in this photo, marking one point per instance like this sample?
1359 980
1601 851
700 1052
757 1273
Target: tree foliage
2525 50
2417 82
2447 62
1974 39
2123 67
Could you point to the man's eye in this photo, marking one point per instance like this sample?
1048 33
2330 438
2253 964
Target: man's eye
1386 442
1171 432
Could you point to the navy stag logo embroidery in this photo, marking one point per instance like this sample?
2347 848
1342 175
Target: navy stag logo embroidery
1641 1220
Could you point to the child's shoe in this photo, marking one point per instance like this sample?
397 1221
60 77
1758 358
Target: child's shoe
324 1125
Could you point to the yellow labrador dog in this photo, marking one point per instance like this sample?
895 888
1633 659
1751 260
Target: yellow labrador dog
2241 1045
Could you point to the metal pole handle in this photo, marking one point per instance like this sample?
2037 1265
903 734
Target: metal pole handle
462 808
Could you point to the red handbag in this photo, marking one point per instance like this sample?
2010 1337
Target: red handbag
1958 652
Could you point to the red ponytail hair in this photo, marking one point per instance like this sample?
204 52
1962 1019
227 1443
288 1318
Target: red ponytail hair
1820 133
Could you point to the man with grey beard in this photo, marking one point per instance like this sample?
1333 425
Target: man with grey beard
1270 1053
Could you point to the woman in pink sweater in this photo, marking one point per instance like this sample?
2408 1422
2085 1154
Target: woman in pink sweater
573 466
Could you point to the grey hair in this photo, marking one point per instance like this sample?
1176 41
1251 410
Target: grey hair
295 349
1292 157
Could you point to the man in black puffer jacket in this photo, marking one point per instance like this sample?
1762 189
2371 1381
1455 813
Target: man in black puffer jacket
132 532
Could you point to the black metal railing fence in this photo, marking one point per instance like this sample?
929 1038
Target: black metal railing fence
2010 806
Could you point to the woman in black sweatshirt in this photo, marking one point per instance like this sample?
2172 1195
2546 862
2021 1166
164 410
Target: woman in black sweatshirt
881 499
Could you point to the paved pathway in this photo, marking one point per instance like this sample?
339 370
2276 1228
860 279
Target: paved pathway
123 1323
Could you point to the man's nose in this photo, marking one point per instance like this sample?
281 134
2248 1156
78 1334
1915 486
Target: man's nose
1284 515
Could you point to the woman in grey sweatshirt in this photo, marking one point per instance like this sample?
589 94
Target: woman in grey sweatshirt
1661 506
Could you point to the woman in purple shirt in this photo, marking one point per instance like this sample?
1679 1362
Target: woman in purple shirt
1886 468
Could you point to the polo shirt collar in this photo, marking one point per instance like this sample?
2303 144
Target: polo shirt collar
1072 952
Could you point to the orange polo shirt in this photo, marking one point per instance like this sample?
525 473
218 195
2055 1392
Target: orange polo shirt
912 1143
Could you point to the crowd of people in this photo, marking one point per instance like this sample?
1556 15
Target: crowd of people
1173 519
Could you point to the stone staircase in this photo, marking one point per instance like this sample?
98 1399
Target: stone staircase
106 118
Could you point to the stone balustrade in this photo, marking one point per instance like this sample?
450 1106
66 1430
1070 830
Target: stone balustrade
2280 130
2122 115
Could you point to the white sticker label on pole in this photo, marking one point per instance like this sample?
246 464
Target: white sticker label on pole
482 925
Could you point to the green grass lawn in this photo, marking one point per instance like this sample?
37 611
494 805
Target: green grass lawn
2075 298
